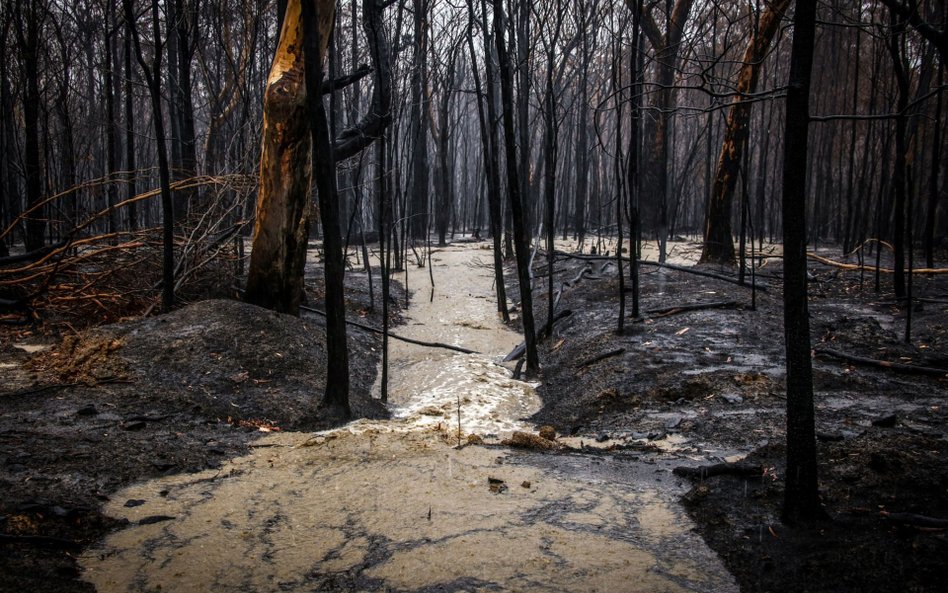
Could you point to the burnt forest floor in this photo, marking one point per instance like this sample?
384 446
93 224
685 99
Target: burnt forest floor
83 414
100 409
706 386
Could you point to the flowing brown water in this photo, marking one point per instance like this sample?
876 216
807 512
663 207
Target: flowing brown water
393 506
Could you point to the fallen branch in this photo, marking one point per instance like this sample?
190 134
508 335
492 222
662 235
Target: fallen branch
600 358
375 330
668 311
745 470
863 267
687 270
916 520
645 262
898 367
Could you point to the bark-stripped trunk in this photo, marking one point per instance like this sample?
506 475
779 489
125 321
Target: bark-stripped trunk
275 276
718 245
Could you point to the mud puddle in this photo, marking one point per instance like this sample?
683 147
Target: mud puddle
395 506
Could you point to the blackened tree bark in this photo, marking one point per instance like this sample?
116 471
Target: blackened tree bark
109 83
718 246
419 129
908 12
181 111
66 121
337 364
443 135
130 132
632 175
8 187
521 244
801 496
667 47
28 21
581 194
550 153
488 128
152 74
936 165
900 67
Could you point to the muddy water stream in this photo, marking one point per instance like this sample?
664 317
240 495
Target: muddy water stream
393 506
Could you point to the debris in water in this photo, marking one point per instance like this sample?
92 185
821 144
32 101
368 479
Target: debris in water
525 440
496 485
548 432
155 519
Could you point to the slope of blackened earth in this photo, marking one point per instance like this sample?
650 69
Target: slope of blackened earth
698 387
174 393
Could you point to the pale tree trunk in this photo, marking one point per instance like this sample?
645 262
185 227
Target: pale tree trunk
718 246
275 276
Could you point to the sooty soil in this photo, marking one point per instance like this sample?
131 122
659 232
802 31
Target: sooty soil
174 393
711 381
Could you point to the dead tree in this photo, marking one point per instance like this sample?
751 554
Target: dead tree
718 246
801 495
521 243
152 74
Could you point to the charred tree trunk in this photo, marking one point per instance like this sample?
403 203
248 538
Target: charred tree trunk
419 129
521 246
316 27
109 81
152 76
899 180
581 195
718 242
801 495
936 164
489 146
130 133
28 20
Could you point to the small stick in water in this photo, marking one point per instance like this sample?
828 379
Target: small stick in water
459 420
